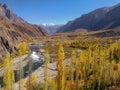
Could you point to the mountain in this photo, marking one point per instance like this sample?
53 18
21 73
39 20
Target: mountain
51 28
102 18
110 20
13 30
8 14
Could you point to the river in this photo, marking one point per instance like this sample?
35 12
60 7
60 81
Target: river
36 58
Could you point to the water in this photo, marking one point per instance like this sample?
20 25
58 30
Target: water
34 47
37 60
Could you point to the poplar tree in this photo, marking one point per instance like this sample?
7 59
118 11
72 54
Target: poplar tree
31 84
23 48
8 76
47 58
60 76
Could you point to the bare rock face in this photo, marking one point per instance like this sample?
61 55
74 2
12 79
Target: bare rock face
4 46
13 30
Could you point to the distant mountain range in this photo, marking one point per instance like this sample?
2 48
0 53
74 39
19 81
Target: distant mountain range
102 18
14 30
51 28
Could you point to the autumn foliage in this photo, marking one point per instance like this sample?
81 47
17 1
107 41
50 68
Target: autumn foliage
60 68
8 77
96 67
23 48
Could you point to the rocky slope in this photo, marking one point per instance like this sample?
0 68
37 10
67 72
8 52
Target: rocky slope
13 30
110 20
102 18
8 14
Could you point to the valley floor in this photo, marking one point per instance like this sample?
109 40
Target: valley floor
83 56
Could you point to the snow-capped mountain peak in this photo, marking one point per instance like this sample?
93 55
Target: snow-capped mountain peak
48 24
50 27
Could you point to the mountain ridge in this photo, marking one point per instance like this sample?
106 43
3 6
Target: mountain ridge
8 14
14 30
88 21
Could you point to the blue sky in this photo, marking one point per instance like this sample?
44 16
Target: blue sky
54 11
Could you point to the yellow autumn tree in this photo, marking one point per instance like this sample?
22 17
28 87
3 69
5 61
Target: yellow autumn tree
34 80
72 66
60 76
31 83
47 58
23 48
8 76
